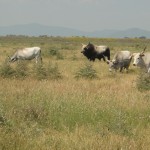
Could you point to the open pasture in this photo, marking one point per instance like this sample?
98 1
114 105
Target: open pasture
105 113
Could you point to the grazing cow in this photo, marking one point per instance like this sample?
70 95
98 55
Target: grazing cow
142 60
27 54
121 60
92 52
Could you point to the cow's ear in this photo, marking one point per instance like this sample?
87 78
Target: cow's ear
131 57
114 62
134 54
142 55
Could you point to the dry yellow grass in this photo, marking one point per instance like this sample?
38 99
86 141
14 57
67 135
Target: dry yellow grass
101 114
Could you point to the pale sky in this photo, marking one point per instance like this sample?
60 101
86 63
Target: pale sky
86 15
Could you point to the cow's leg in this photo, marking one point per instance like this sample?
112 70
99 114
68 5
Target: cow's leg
92 59
103 58
99 58
121 69
38 58
127 68
41 59
108 57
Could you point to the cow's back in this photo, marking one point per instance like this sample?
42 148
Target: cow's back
122 55
101 48
29 53
146 58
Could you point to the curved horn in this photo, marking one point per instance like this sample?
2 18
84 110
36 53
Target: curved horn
144 50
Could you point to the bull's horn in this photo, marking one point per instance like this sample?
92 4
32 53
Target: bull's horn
144 50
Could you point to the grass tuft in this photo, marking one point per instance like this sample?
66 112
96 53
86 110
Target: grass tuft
143 81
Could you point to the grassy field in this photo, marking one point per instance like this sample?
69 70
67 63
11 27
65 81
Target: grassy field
48 108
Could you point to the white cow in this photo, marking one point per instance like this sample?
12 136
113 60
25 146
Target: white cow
27 54
121 60
142 60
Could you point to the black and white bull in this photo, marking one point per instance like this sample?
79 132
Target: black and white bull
92 52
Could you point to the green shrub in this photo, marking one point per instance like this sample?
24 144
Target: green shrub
46 72
53 72
39 71
87 72
21 70
6 71
53 52
59 56
143 81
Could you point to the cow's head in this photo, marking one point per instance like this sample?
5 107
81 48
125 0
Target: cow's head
113 65
89 51
137 58
83 46
12 59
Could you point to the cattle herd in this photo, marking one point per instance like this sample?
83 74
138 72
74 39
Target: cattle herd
121 60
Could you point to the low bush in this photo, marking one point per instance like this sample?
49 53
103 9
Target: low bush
39 71
53 52
21 70
87 71
143 81
6 71
53 71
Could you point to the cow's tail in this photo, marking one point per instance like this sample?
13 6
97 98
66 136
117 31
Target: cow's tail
108 53
41 56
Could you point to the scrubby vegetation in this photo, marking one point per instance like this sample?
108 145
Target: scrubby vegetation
143 81
45 107
87 71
